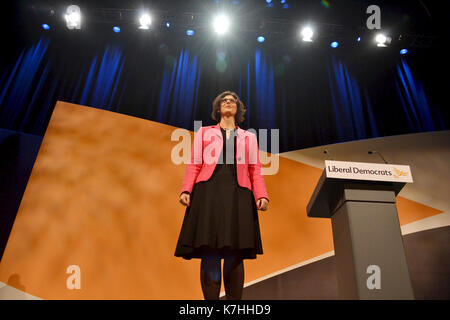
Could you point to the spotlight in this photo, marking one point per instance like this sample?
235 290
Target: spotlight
334 44
190 32
145 21
260 39
221 24
116 29
307 34
382 40
45 26
73 17
168 24
404 51
358 39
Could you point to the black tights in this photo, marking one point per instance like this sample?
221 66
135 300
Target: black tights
233 277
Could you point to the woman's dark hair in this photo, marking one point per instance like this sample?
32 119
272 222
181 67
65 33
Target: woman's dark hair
241 109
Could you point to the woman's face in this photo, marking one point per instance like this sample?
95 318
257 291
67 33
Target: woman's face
228 106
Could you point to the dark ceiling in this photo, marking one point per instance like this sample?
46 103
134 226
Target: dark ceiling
417 23
399 16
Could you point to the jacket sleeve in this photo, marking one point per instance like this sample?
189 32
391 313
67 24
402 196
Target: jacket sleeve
194 166
255 170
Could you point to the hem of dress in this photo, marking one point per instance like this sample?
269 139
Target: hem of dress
223 252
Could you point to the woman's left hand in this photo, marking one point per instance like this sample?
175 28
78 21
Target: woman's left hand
262 204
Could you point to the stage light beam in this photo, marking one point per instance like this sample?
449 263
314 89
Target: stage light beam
382 40
73 17
307 34
145 21
221 24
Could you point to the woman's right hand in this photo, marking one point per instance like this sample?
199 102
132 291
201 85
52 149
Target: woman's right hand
185 199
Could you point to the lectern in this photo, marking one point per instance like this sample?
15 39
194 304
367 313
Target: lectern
360 199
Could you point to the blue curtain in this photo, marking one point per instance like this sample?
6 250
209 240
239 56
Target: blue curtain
256 88
348 106
17 85
102 80
179 91
414 100
29 89
264 90
311 102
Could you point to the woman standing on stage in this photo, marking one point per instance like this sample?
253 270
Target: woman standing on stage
223 188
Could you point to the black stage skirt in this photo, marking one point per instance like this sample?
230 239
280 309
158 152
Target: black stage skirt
222 219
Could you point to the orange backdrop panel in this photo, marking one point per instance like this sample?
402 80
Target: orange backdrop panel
103 195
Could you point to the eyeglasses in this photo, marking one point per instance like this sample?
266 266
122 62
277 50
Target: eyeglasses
227 100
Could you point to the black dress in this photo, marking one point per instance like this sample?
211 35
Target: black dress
222 219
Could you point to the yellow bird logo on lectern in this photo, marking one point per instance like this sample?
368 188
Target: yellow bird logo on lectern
400 173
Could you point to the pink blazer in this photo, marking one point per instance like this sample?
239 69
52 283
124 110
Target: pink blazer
206 150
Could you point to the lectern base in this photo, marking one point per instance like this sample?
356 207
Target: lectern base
370 257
